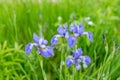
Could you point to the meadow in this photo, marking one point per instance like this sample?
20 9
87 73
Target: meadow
20 19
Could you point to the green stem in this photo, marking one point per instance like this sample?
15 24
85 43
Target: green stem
43 72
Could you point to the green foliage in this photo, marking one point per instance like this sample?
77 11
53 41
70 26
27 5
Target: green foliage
19 19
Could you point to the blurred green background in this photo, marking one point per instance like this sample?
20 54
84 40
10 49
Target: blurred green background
19 19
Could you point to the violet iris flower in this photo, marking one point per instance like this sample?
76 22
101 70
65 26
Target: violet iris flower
41 45
62 32
77 58
77 30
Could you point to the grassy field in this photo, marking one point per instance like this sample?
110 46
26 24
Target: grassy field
19 19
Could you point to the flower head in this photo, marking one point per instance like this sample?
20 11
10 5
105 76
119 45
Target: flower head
77 30
77 58
41 45
62 32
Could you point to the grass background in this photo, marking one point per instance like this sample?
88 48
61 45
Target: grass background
19 19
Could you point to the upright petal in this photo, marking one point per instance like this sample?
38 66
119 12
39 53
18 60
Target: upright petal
77 29
90 36
61 30
35 38
69 61
87 60
78 66
81 29
47 52
77 53
71 41
41 40
74 28
45 42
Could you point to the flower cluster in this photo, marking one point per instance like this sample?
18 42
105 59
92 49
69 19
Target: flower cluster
71 36
77 31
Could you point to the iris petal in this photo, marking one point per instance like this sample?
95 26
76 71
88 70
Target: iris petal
47 52
69 61
35 38
54 40
71 41
87 60
61 30
81 29
90 36
28 48
78 66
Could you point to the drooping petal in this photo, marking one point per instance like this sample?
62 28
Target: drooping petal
77 53
35 38
69 61
87 60
85 65
71 41
47 52
89 35
77 61
78 66
54 40
28 48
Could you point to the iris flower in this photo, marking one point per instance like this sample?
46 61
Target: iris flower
41 45
77 30
62 32
77 58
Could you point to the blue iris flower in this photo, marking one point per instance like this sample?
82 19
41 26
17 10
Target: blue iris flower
41 45
78 30
62 32
77 58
